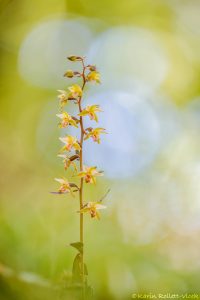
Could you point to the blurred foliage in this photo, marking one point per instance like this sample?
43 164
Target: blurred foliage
37 227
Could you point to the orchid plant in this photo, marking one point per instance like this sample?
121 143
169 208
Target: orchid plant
72 154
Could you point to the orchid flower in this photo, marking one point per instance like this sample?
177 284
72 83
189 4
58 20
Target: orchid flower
66 120
91 112
70 143
92 208
75 91
95 134
90 174
93 76
64 186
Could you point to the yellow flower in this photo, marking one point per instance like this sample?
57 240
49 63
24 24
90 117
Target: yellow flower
93 76
89 174
91 112
66 120
70 143
94 134
75 91
92 208
63 97
64 186
67 161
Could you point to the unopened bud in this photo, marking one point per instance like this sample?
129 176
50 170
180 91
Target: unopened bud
69 74
74 58
92 68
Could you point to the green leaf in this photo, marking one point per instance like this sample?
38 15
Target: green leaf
76 269
78 246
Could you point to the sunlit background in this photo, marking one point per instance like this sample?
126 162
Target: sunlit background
148 239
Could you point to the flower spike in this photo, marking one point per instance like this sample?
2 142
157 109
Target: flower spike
72 155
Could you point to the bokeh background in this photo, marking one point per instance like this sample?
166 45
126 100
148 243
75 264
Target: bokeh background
148 239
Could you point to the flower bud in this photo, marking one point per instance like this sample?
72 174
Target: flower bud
74 58
92 68
69 74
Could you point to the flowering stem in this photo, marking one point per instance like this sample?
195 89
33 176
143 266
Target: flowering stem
87 174
81 180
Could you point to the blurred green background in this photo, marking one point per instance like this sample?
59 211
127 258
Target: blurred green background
148 238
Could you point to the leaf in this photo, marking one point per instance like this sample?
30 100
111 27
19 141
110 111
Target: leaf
76 269
78 246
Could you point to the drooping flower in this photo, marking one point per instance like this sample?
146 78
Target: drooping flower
90 111
70 143
63 97
66 120
68 161
90 174
95 134
64 186
75 91
93 76
92 208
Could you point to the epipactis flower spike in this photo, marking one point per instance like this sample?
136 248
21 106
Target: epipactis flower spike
70 142
90 111
95 134
89 174
92 208
66 120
